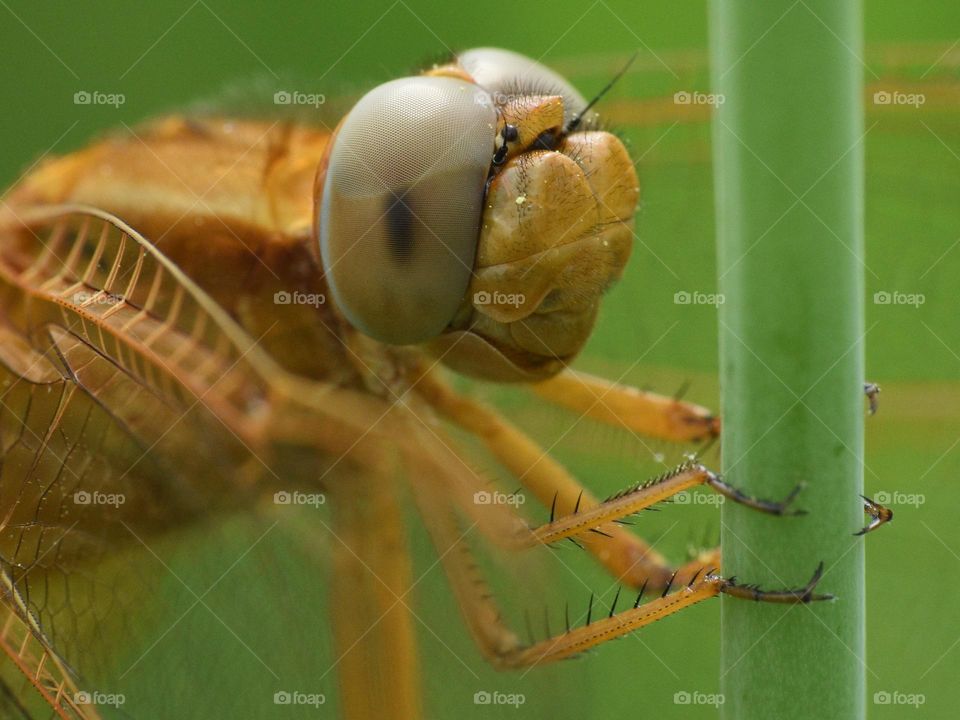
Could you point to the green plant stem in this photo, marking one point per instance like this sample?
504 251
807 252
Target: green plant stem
789 187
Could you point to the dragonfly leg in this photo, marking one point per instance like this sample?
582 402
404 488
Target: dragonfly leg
646 494
477 604
575 512
502 647
627 557
701 587
623 554
644 413
872 391
879 515
375 639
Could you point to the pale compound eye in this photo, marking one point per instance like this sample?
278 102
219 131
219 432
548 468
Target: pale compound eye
502 72
401 205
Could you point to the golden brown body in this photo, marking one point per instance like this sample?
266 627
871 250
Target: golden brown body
231 203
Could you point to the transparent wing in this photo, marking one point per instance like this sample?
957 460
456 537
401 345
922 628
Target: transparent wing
129 442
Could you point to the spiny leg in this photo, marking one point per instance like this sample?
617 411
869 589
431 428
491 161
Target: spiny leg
624 555
647 494
477 604
645 413
574 510
642 412
501 646
617 624
663 417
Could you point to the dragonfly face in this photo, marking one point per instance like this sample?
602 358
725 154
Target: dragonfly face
463 209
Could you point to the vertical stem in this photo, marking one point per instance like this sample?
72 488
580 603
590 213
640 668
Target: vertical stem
789 191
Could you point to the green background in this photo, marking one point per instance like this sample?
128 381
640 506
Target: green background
164 56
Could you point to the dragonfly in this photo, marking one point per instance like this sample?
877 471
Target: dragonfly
217 314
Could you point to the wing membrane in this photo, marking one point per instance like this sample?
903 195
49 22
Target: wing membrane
128 418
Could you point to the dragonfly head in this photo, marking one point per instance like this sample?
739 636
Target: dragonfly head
476 210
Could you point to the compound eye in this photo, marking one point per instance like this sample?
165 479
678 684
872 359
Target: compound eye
502 72
399 218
